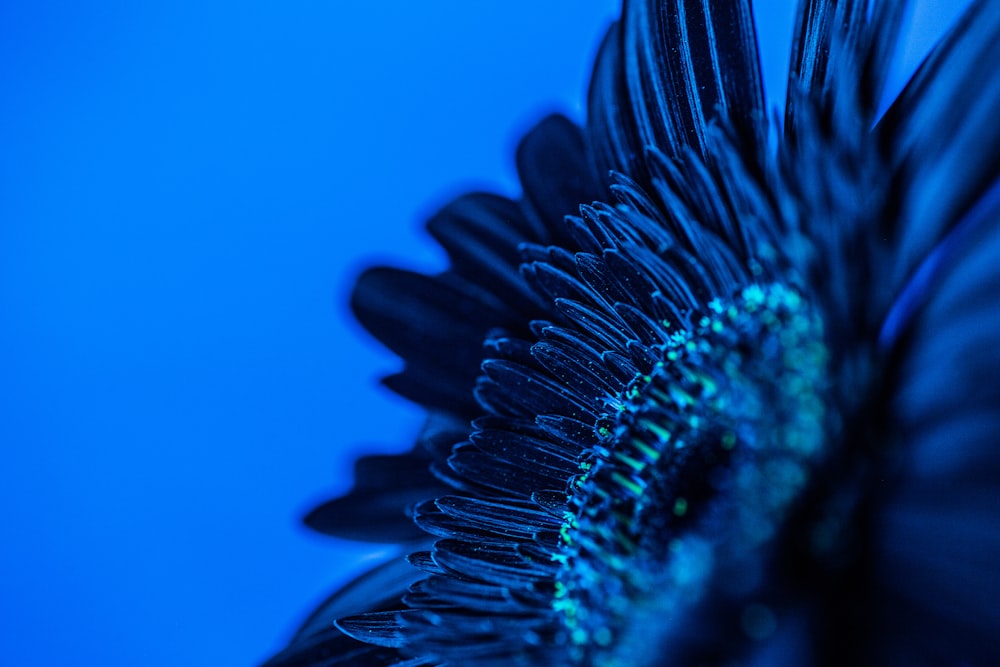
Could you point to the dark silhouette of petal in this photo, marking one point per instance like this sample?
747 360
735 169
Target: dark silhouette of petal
386 487
552 164
685 63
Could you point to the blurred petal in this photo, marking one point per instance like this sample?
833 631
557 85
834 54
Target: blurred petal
944 135
939 534
319 643
686 63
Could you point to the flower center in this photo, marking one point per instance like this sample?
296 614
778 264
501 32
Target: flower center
699 460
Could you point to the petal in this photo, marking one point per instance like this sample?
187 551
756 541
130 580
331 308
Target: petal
841 52
481 234
319 643
377 509
939 534
612 136
380 515
437 324
688 62
555 175
944 134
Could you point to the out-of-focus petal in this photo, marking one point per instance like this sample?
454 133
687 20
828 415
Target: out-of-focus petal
938 535
944 135
319 643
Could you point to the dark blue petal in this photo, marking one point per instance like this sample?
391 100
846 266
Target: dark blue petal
939 532
555 175
481 234
612 135
437 324
318 643
385 487
944 135
686 63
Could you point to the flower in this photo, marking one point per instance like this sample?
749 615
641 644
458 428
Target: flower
712 391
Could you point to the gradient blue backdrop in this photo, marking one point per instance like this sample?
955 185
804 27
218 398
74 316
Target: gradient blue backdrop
186 191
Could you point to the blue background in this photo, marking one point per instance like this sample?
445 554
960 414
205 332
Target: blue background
186 192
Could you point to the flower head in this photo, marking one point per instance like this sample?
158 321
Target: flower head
713 391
